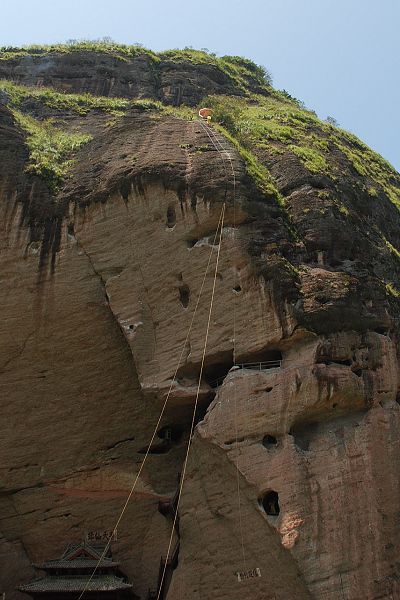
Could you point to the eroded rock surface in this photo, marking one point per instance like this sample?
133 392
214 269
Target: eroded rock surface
98 291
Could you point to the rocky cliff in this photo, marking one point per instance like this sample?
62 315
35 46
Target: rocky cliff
111 195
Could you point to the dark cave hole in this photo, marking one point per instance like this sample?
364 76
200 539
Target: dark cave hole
215 370
215 374
358 372
269 440
334 262
327 361
171 216
268 359
346 363
162 448
130 326
237 289
184 295
398 399
270 504
171 433
318 184
303 434
382 330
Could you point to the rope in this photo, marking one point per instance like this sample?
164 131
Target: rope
234 362
219 227
222 152
208 130
225 153
238 481
214 141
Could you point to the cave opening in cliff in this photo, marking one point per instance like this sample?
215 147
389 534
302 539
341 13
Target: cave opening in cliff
264 359
171 433
215 373
171 216
269 441
190 243
184 295
382 330
303 434
270 504
215 370
327 360
162 448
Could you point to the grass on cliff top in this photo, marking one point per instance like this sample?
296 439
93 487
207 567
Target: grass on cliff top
50 149
80 104
225 119
51 146
275 124
370 164
263 127
279 123
120 51
239 71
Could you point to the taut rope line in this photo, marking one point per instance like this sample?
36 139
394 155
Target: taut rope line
219 228
224 153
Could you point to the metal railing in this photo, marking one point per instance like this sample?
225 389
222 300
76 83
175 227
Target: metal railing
256 366
260 366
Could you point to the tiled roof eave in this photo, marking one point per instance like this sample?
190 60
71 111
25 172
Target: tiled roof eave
74 564
48 584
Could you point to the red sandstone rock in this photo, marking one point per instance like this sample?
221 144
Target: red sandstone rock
98 292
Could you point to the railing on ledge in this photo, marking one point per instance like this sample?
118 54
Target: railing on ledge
260 366
256 366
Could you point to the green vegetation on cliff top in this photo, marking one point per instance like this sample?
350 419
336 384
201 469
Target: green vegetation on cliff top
262 126
80 104
240 71
51 149
276 124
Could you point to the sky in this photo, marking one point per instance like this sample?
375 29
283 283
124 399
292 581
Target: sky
341 58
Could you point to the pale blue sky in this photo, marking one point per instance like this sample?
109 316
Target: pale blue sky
341 58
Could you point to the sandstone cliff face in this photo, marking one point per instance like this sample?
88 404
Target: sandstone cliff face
98 291
133 75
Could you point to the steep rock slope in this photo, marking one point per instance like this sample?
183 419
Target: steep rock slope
103 257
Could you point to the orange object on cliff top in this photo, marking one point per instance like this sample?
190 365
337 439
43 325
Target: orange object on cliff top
205 112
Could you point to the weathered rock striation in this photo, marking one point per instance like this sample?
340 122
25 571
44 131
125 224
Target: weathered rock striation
293 467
